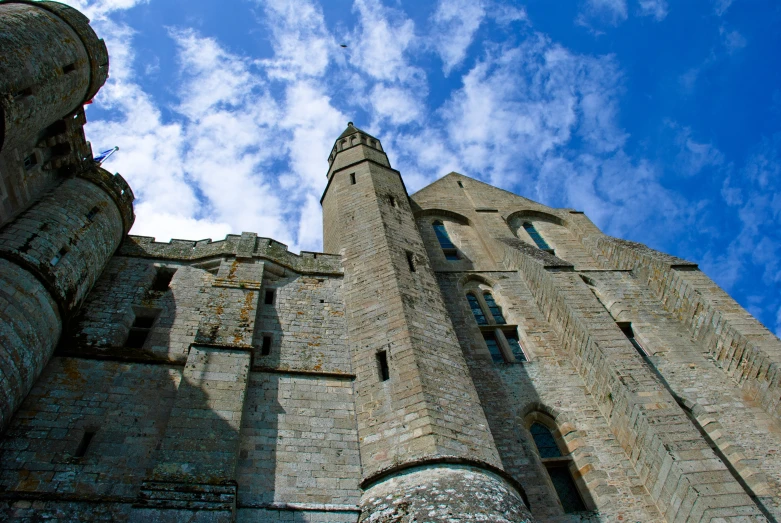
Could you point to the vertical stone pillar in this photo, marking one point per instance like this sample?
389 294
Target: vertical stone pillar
426 450
195 475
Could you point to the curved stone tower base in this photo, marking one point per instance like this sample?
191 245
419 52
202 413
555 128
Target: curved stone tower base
443 492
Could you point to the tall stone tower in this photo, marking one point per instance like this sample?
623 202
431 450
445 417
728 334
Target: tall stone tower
62 217
421 428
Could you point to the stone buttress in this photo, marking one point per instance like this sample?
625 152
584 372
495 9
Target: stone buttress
422 431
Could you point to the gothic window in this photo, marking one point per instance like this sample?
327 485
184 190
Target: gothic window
536 236
30 162
450 251
557 465
496 311
493 347
476 309
515 345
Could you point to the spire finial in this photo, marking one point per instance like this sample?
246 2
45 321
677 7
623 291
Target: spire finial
350 124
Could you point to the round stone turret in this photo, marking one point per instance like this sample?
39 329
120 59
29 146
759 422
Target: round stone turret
50 257
52 62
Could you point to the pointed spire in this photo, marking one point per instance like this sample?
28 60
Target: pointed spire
353 136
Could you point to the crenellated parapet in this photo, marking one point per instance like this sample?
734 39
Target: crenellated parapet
246 245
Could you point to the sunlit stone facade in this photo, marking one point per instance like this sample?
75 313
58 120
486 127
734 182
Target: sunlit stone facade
459 354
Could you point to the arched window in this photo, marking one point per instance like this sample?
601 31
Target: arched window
451 253
496 311
476 309
557 466
502 340
538 239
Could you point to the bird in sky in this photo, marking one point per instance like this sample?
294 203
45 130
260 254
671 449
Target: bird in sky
343 45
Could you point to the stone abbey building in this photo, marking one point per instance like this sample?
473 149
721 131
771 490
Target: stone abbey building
459 354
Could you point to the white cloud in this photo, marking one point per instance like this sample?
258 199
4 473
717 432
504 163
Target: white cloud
694 156
396 104
733 40
455 23
611 12
655 8
720 6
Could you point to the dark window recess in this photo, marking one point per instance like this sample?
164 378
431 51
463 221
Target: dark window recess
411 261
515 346
382 365
269 298
86 439
460 184
477 311
23 93
536 236
496 311
626 328
69 68
140 330
493 347
352 178
543 438
392 201
61 149
30 162
265 349
566 489
93 212
442 235
57 257
162 279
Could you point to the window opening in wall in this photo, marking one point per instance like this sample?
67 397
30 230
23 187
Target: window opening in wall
86 439
269 297
477 311
536 236
460 184
515 345
69 68
493 347
93 212
163 278
139 331
265 349
496 311
411 261
30 162
392 201
28 91
557 466
57 257
626 328
382 365
352 178
448 248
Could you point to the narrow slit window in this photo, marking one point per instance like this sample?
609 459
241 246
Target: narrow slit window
460 185
392 201
69 68
352 178
493 347
92 213
515 346
269 298
57 257
30 162
86 439
382 365
139 331
265 349
496 311
163 278
536 236
477 311
411 261
28 91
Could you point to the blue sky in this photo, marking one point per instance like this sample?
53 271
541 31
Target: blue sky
660 119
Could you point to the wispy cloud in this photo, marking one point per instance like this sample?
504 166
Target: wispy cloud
459 20
655 8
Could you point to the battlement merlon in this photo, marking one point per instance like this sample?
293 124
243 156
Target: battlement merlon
246 245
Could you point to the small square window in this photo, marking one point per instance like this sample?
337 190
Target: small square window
265 349
269 297
30 162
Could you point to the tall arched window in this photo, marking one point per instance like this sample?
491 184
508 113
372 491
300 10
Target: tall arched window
502 340
450 251
557 466
476 309
536 236
496 311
